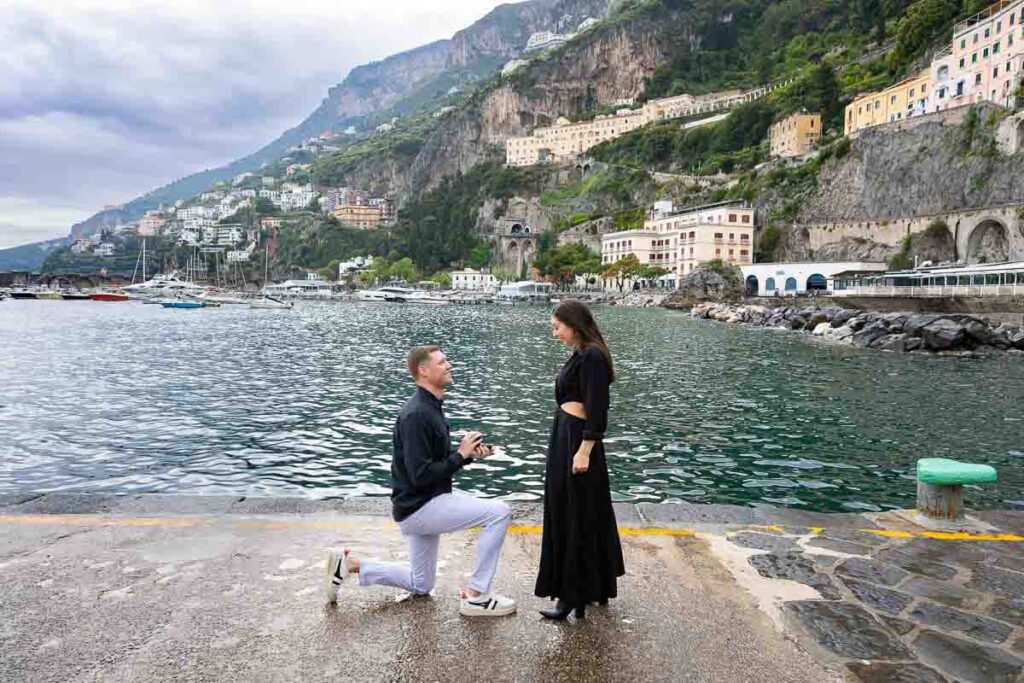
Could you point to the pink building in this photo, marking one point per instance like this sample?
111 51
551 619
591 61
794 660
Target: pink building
984 61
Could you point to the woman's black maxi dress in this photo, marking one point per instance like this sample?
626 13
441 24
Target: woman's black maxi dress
581 556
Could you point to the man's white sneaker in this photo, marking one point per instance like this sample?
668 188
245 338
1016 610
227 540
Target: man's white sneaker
486 606
335 573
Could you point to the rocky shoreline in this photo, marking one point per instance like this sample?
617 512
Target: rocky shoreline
899 332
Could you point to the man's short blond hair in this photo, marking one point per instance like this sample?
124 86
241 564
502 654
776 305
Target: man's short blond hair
417 356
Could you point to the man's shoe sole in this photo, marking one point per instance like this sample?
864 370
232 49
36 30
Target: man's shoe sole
331 588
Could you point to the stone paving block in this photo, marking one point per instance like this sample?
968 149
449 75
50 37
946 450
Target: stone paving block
942 591
857 535
1009 521
882 672
159 504
942 553
8 501
688 513
876 597
625 513
949 619
794 567
770 542
839 546
1004 583
376 506
908 560
897 625
967 661
824 560
847 630
1011 611
70 504
283 506
870 570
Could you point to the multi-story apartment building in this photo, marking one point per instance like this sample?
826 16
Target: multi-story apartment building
795 135
150 225
906 99
679 241
470 280
359 216
388 212
985 59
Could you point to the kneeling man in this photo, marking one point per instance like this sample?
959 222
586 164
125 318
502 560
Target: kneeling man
423 503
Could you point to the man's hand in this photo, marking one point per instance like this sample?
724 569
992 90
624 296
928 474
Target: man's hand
482 451
469 444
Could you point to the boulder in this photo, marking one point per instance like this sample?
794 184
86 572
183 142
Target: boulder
870 333
978 331
915 323
857 322
821 329
911 343
942 335
894 342
816 319
843 333
797 322
840 318
1017 341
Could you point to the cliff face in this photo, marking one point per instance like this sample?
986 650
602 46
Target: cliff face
605 64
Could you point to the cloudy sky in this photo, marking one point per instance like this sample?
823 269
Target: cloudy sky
101 100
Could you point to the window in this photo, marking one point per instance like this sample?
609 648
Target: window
984 53
1009 40
961 62
995 72
977 79
732 236
1011 18
963 44
911 93
732 218
731 252
744 238
974 58
988 32
892 99
975 38
718 235
746 219
999 26
744 252
995 49
718 253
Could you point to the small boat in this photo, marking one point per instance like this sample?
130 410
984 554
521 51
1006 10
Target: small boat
75 296
182 304
23 294
47 295
109 296
270 302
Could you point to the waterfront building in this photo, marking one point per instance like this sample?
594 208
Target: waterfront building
799 279
470 280
525 290
904 100
359 216
978 280
679 241
795 135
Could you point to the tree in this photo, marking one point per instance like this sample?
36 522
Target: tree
624 269
442 278
405 269
479 256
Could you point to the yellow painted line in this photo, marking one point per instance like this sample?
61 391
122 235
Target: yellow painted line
323 525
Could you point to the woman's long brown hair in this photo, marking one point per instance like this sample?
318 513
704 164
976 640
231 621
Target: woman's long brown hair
578 317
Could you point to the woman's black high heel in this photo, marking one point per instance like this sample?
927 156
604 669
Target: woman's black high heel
562 609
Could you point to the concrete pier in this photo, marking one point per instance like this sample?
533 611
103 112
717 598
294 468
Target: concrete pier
132 588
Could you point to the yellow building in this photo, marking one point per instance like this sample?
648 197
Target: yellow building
906 99
795 135
359 216
678 242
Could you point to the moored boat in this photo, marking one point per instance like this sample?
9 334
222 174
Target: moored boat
47 295
182 304
109 296
69 295
23 294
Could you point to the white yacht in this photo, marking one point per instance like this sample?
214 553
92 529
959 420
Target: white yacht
401 295
164 285
299 289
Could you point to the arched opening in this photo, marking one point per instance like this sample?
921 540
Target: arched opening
790 284
817 282
751 285
770 286
517 228
988 243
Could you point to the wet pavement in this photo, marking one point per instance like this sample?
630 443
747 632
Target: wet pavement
220 588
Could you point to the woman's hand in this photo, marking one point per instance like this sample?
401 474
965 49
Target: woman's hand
581 461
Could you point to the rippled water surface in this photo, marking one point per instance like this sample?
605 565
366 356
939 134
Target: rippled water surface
129 397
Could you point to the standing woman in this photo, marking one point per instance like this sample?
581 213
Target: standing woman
580 555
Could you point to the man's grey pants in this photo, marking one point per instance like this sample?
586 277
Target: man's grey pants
443 514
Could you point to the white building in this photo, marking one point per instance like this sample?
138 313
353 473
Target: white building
545 40
81 245
190 212
470 280
525 290
355 265
241 178
268 181
513 65
104 249
793 279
